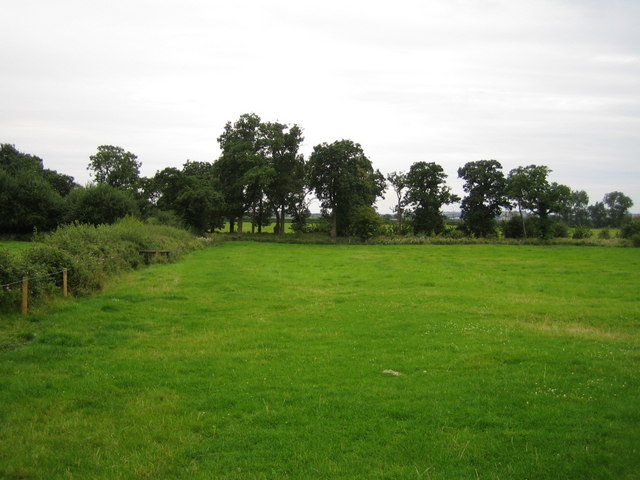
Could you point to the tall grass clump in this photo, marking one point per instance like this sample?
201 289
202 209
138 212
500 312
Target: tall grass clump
90 253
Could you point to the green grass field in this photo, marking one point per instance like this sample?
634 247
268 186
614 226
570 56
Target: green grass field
15 246
264 361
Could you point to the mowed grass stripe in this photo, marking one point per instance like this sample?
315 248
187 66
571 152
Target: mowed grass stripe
250 361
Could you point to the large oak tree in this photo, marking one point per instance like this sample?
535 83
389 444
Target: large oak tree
344 181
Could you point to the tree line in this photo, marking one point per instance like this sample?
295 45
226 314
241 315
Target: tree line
261 176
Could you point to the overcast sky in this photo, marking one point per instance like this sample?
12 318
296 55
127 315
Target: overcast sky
553 83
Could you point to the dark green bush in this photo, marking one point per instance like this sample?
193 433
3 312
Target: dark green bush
10 272
630 229
513 228
365 223
604 234
559 230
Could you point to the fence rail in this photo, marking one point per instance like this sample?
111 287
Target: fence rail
24 309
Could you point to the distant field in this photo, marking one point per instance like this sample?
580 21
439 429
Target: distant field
268 361
246 227
15 246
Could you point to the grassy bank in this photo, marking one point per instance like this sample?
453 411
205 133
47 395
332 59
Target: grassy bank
252 361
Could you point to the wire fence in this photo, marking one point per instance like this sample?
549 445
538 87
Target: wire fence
24 282
36 277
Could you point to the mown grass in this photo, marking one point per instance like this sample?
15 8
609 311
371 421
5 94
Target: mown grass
260 361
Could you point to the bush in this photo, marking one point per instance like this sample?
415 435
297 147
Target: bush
43 264
635 240
581 232
560 230
10 272
604 234
365 223
99 204
97 252
513 228
451 231
630 229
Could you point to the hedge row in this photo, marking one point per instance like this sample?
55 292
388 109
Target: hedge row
90 253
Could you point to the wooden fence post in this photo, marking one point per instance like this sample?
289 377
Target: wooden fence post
25 295
64 282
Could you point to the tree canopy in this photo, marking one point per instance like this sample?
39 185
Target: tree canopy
115 166
485 185
343 179
426 194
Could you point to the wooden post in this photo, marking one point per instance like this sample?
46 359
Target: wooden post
64 282
25 295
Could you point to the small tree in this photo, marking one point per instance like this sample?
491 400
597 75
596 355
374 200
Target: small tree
398 181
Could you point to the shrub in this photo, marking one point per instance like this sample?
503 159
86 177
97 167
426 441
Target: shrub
604 234
635 240
560 230
513 228
98 251
630 229
99 204
10 272
365 223
581 232
44 264
451 231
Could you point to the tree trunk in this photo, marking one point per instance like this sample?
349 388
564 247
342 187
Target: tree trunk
232 225
240 224
334 225
524 228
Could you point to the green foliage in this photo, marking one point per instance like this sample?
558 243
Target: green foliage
240 148
630 228
529 188
559 230
99 204
10 272
604 234
193 193
284 170
618 207
635 240
426 194
485 185
365 223
577 213
115 167
28 198
398 181
513 228
581 232
343 179
90 253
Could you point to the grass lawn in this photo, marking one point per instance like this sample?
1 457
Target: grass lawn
263 361
15 246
